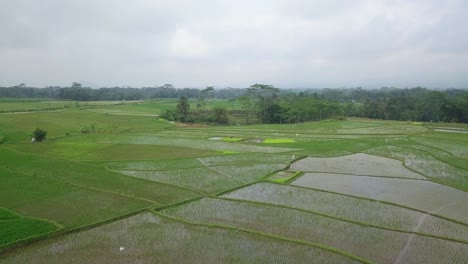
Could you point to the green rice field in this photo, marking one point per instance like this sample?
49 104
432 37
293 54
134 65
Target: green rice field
141 189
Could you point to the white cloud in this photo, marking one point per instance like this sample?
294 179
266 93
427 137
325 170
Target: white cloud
186 44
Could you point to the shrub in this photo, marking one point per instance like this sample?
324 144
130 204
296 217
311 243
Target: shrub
88 128
39 134
169 115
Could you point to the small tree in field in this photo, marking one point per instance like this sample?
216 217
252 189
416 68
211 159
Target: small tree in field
183 108
39 134
220 115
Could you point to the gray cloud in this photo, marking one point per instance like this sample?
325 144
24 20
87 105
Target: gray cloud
235 43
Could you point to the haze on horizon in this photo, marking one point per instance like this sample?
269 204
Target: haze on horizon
287 43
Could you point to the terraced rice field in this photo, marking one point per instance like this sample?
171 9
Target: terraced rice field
145 190
375 244
149 238
351 208
357 164
422 195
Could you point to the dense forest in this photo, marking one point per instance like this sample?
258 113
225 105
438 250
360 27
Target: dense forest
266 104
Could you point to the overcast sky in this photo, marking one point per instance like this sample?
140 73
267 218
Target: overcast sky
303 44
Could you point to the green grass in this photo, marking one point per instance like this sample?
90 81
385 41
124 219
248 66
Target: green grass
141 152
278 140
6 214
91 176
72 206
23 228
227 152
35 104
148 107
232 139
426 164
458 148
18 127
332 147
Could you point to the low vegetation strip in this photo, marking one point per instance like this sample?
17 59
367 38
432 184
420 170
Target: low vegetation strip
354 209
133 240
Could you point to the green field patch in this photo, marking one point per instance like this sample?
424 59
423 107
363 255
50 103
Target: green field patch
333 147
390 128
278 140
18 127
152 107
456 147
151 139
142 152
351 208
23 228
228 152
147 238
6 214
58 148
426 164
164 164
231 139
91 176
208 179
199 179
324 126
438 153
72 206
422 195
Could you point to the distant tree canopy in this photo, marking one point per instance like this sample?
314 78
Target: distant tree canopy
263 103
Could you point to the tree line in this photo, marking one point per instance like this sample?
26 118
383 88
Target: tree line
261 103
77 92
